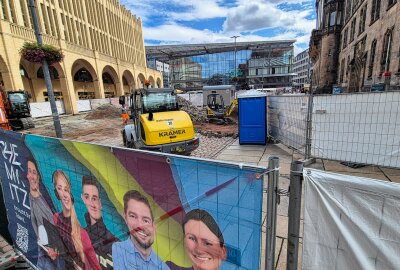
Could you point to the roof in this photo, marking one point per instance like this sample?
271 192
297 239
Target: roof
217 87
168 52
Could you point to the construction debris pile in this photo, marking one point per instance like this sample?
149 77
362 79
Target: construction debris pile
104 111
198 115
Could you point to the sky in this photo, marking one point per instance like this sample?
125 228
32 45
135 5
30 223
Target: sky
213 21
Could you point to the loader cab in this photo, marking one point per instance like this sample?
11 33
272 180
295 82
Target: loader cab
159 100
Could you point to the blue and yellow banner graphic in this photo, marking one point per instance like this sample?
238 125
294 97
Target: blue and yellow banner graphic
73 205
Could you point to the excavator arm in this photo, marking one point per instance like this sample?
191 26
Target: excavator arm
231 107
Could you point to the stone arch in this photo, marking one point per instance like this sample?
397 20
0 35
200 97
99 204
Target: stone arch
29 81
158 83
140 80
84 78
39 84
5 75
110 80
128 82
152 83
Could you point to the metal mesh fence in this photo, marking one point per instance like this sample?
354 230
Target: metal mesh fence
287 120
360 128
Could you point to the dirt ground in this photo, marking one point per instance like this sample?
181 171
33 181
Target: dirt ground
104 126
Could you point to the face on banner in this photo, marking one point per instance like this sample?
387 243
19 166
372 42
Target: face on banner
139 219
203 246
91 198
63 192
33 177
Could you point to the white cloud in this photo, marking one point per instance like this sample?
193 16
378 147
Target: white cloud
247 18
252 16
198 10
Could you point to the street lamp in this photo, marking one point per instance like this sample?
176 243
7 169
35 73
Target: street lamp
235 37
46 73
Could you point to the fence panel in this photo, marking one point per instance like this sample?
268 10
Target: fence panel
287 120
157 189
83 105
360 128
196 98
350 222
42 109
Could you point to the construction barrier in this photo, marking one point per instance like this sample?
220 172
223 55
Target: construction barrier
76 204
350 222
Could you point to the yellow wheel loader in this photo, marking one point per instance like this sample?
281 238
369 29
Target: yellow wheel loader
158 124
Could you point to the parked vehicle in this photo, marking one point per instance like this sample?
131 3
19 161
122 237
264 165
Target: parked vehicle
158 124
217 112
17 110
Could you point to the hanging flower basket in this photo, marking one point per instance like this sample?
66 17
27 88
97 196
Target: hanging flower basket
34 53
235 79
147 83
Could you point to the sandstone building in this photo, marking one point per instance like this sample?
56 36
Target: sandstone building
102 43
356 45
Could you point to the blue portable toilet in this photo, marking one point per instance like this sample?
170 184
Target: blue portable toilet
252 117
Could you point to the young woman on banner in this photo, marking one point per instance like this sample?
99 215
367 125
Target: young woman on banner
76 239
204 242
40 211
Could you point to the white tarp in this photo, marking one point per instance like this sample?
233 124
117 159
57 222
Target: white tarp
42 109
350 222
83 105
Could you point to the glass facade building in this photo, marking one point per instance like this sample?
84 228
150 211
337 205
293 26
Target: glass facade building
248 64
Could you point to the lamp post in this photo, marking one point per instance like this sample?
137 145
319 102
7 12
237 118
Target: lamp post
46 73
235 37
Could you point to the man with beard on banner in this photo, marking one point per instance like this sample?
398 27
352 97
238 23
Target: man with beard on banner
136 252
40 210
101 238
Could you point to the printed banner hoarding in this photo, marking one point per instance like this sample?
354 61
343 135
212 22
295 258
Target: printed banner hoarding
73 205
350 222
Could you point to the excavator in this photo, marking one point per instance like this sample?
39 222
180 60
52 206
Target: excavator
158 124
216 110
15 110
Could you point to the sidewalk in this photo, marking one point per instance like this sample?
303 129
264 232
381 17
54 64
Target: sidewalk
259 154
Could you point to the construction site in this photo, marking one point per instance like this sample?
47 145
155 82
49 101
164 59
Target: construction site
221 142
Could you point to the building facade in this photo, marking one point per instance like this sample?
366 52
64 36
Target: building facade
247 64
102 43
325 44
161 67
361 51
302 69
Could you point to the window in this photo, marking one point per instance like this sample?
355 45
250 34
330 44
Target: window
391 3
57 95
352 29
363 17
375 10
386 50
332 19
341 71
372 59
345 38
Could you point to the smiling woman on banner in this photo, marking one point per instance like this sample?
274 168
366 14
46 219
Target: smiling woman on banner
204 242
76 239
